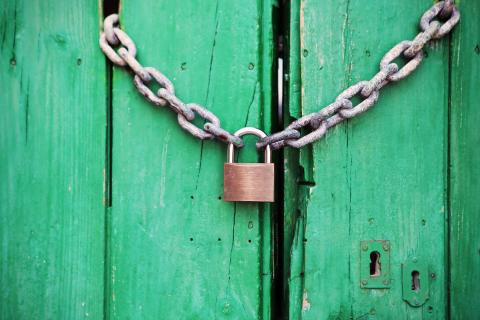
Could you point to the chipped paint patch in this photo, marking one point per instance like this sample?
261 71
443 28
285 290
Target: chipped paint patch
305 303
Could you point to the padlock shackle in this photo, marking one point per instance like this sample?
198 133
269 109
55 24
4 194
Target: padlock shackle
255 132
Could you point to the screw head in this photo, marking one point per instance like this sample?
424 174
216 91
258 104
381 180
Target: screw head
386 281
386 247
433 275
364 247
414 260
364 282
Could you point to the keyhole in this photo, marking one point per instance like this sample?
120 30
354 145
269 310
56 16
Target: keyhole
415 280
375 269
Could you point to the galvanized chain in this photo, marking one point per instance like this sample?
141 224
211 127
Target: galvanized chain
342 108
319 122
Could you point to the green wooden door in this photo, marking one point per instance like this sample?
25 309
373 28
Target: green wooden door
176 250
52 160
401 173
108 209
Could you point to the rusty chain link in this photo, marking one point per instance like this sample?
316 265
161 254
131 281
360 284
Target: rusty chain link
318 122
113 36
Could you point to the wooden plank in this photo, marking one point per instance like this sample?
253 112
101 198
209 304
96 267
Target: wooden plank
293 222
379 176
52 142
177 250
465 171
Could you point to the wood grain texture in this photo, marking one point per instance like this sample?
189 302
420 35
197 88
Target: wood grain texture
465 169
381 176
177 250
167 246
294 180
52 158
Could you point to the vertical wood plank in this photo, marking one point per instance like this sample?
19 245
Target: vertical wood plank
293 222
378 176
177 249
52 157
464 164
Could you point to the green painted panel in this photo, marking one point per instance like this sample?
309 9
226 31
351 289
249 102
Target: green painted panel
380 176
176 249
294 194
465 169
52 158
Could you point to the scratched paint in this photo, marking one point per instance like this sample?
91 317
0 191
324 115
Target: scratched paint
175 240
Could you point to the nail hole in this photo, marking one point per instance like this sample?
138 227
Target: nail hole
477 49
249 241
219 197
13 61
183 66
251 66
415 280
191 239
375 268
305 52
219 239
191 197
79 61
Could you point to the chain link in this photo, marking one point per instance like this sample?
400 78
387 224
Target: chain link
341 109
317 123
113 36
145 90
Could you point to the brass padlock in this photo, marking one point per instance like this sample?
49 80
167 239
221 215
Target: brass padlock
249 181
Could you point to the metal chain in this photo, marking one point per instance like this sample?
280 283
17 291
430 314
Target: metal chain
113 36
318 122
328 117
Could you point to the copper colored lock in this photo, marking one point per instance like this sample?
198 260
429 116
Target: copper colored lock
249 181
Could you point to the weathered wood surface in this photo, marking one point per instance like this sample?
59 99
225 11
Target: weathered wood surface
465 166
172 247
383 175
52 160
152 239
176 249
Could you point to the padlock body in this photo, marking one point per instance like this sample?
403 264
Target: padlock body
249 182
